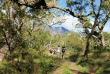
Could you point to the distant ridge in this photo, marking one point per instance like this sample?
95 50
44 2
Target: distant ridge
57 30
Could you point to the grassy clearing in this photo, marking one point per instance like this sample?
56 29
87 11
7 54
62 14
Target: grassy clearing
68 66
62 69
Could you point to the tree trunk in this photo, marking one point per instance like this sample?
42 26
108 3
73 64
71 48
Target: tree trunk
102 39
88 41
87 49
10 11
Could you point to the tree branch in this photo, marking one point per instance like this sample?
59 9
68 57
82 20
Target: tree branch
93 8
104 23
99 8
8 44
43 5
81 17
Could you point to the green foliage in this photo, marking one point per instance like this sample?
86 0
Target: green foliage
87 24
28 63
106 35
98 60
69 3
28 51
30 43
106 4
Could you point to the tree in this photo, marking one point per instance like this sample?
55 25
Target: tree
79 6
22 30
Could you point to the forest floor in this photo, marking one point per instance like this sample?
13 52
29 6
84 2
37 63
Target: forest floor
67 66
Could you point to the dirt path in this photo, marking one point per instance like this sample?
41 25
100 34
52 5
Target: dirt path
67 67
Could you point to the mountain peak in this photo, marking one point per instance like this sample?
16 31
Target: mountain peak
57 30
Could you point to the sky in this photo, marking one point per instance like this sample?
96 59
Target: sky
72 21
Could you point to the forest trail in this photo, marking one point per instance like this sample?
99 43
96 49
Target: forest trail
66 66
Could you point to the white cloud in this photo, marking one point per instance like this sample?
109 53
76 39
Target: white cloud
107 29
70 22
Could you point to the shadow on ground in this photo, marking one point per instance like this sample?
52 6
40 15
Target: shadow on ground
73 58
76 72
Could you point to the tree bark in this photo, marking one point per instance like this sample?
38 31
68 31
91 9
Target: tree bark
10 17
87 48
102 39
